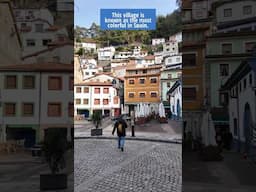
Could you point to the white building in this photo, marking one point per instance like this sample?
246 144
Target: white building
176 37
236 16
61 53
123 55
106 53
158 41
175 97
37 30
242 106
173 61
35 98
170 48
97 94
145 61
10 41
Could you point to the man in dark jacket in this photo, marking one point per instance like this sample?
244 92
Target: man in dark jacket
120 126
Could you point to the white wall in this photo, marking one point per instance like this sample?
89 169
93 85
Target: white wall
237 11
246 96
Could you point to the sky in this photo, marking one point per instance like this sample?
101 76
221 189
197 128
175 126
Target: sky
88 11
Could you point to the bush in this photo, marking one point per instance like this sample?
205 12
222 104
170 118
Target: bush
54 147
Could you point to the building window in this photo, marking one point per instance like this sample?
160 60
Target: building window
250 79
177 59
189 60
96 90
228 12
153 80
240 86
54 83
169 76
131 95
224 70
78 89
142 81
249 46
86 90
142 95
78 101
71 109
153 94
226 48
106 90
116 100
131 81
96 101
39 28
235 127
170 60
30 42
247 10
105 101
54 109
223 99
46 41
144 71
27 109
245 82
28 82
86 101
189 93
9 109
10 82
168 84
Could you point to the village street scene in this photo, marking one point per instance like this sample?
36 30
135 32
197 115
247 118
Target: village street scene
136 76
218 79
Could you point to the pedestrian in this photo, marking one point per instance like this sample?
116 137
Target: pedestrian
120 127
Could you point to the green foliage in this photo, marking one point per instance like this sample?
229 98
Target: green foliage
54 148
96 118
80 51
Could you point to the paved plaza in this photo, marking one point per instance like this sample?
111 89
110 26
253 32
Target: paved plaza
142 167
233 174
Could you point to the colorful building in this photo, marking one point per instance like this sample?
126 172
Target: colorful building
142 84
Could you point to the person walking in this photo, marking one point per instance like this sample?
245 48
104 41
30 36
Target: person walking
120 127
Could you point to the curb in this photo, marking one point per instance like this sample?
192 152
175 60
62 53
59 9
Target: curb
131 138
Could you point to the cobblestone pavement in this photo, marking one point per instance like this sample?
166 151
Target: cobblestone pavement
142 167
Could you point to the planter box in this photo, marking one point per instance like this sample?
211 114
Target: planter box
96 132
163 120
53 182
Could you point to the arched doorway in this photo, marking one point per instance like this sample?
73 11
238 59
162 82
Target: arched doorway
247 128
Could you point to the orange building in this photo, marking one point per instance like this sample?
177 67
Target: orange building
142 84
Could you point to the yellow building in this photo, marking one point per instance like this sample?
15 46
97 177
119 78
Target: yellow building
196 27
142 85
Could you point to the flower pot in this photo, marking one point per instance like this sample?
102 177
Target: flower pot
53 181
96 132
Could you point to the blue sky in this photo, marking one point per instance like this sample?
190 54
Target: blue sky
88 11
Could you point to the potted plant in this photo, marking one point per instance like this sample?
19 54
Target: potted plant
54 148
96 119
